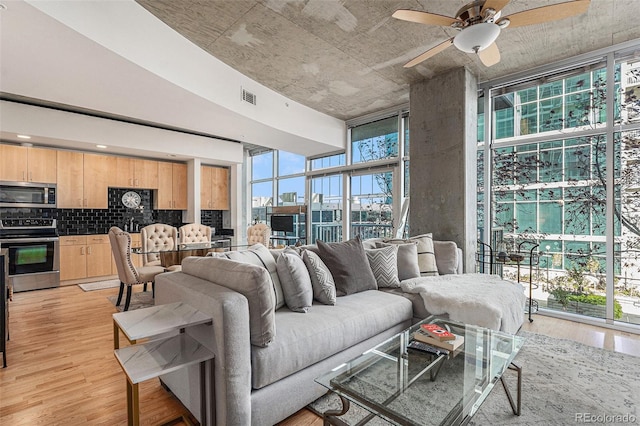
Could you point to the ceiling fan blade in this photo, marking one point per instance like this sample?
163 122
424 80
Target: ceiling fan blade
424 17
429 53
548 13
496 5
490 56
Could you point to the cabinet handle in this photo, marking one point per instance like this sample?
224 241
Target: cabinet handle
31 176
23 175
89 250
80 202
85 202
82 251
131 182
137 182
174 204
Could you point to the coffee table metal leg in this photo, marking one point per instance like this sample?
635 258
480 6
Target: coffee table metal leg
514 406
330 417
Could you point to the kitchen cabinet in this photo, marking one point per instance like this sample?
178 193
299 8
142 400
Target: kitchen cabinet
172 186
27 164
83 180
214 188
85 256
135 173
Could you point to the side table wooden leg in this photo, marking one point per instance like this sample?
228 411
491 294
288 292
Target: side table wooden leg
116 336
133 404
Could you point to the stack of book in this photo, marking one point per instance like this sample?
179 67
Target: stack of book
435 335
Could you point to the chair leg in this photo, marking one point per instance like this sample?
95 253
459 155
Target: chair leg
128 301
120 294
153 289
145 287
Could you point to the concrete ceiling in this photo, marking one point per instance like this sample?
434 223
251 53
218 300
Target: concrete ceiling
345 57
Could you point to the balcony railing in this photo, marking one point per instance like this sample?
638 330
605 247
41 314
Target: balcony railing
332 232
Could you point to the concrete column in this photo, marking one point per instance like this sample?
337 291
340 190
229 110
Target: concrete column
443 164
192 214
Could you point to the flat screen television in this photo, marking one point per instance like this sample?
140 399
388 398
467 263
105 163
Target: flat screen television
282 223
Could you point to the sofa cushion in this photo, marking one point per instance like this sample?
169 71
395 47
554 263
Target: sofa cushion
446 257
349 266
324 288
295 281
426 255
252 281
324 331
407 258
384 265
259 255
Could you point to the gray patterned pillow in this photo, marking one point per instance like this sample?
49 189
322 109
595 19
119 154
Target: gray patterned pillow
324 289
384 265
407 258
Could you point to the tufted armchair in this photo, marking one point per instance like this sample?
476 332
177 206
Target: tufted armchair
258 233
195 233
128 274
156 238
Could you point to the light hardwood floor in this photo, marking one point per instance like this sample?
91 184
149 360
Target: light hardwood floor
62 371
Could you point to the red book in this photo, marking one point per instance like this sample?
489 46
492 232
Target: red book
438 332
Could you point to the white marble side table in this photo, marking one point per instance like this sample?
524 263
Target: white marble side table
149 360
153 321
154 358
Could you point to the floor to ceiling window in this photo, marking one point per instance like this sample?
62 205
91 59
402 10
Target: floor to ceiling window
564 157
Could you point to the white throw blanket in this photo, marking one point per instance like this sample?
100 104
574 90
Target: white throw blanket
479 299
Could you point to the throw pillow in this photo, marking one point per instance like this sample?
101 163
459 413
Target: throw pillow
384 265
446 257
349 266
407 259
295 281
259 255
324 288
426 255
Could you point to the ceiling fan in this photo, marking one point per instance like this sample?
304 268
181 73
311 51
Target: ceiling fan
480 23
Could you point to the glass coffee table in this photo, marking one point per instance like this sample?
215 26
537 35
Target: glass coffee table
406 386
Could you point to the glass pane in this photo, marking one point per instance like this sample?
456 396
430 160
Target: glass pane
326 209
262 166
372 205
290 164
529 119
628 95
374 141
503 116
550 219
291 191
551 114
261 197
551 165
328 161
627 227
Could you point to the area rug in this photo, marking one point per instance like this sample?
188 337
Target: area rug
563 382
139 300
100 285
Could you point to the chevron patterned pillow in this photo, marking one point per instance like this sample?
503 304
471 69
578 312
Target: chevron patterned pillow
384 264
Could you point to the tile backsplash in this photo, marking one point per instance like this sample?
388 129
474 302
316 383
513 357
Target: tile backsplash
98 221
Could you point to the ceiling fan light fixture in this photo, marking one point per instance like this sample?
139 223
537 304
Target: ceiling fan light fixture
476 37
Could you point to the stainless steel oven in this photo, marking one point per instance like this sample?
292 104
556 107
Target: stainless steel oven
33 249
27 194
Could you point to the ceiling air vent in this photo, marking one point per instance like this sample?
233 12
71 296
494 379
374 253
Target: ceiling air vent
248 97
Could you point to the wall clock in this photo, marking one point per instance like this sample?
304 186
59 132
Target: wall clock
131 199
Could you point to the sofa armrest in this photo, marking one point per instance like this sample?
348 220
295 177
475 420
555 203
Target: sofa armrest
228 338
448 257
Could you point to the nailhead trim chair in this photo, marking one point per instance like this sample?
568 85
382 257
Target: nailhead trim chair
154 239
128 274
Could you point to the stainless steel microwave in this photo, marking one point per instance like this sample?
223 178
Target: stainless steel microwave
27 194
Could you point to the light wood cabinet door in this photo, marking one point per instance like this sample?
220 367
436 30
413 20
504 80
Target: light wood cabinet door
179 186
220 188
13 163
98 256
124 173
96 180
206 194
73 257
70 178
145 174
164 197
42 165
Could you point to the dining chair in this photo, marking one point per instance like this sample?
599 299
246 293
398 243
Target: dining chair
156 238
195 233
128 274
258 233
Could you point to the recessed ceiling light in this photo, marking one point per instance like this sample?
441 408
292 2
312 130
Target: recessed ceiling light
101 146
171 155
24 136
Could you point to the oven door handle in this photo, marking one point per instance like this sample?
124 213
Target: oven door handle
8 241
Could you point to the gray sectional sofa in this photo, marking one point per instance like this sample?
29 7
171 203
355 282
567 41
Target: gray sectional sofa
266 359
